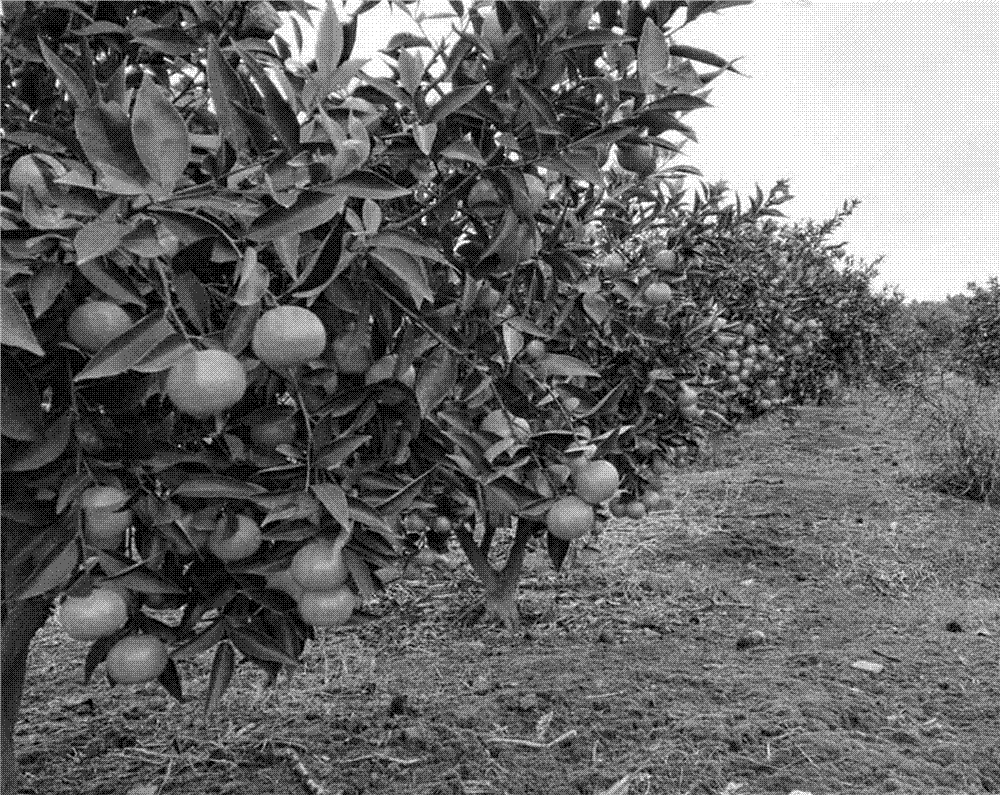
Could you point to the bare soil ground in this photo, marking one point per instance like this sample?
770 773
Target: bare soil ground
708 649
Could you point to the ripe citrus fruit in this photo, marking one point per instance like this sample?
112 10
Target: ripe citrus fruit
104 524
535 349
352 351
135 659
665 261
95 323
319 565
328 608
99 614
596 481
484 201
280 428
617 509
285 582
287 336
691 413
569 518
496 423
34 172
651 500
658 294
639 159
241 544
687 396
384 370
635 509
204 383
537 193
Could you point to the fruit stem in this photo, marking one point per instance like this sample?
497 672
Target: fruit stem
309 429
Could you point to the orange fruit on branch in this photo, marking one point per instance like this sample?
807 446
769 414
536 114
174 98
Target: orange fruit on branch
99 614
135 659
95 323
569 518
205 383
319 565
596 481
328 608
287 336
497 423
104 523
242 543
352 352
640 159
658 294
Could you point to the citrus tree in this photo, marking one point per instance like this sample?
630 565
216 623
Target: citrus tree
268 325
979 344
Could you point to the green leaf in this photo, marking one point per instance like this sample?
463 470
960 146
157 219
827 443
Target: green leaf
20 402
194 298
702 56
170 680
334 500
96 654
365 185
164 355
160 135
105 135
52 575
218 487
15 328
436 379
408 244
256 646
310 210
225 87
222 672
463 150
97 238
337 452
592 38
329 46
403 498
111 280
69 79
130 348
452 102
43 450
362 514
360 574
278 111
424 135
568 366
408 270
653 52
201 643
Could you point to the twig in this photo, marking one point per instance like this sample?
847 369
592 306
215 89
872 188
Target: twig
383 757
311 785
532 743
166 776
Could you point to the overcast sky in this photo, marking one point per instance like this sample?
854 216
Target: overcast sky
893 103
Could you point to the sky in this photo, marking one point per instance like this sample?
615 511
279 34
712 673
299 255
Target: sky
893 103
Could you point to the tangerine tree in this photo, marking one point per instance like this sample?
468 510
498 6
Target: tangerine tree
267 325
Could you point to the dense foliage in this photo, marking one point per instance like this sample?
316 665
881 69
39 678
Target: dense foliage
980 335
268 326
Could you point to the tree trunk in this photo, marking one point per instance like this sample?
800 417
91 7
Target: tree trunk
21 620
500 586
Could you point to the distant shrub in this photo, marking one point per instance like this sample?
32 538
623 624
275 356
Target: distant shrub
965 439
980 337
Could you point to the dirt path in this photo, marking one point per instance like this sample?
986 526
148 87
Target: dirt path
708 649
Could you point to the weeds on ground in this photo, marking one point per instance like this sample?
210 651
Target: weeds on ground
962 436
